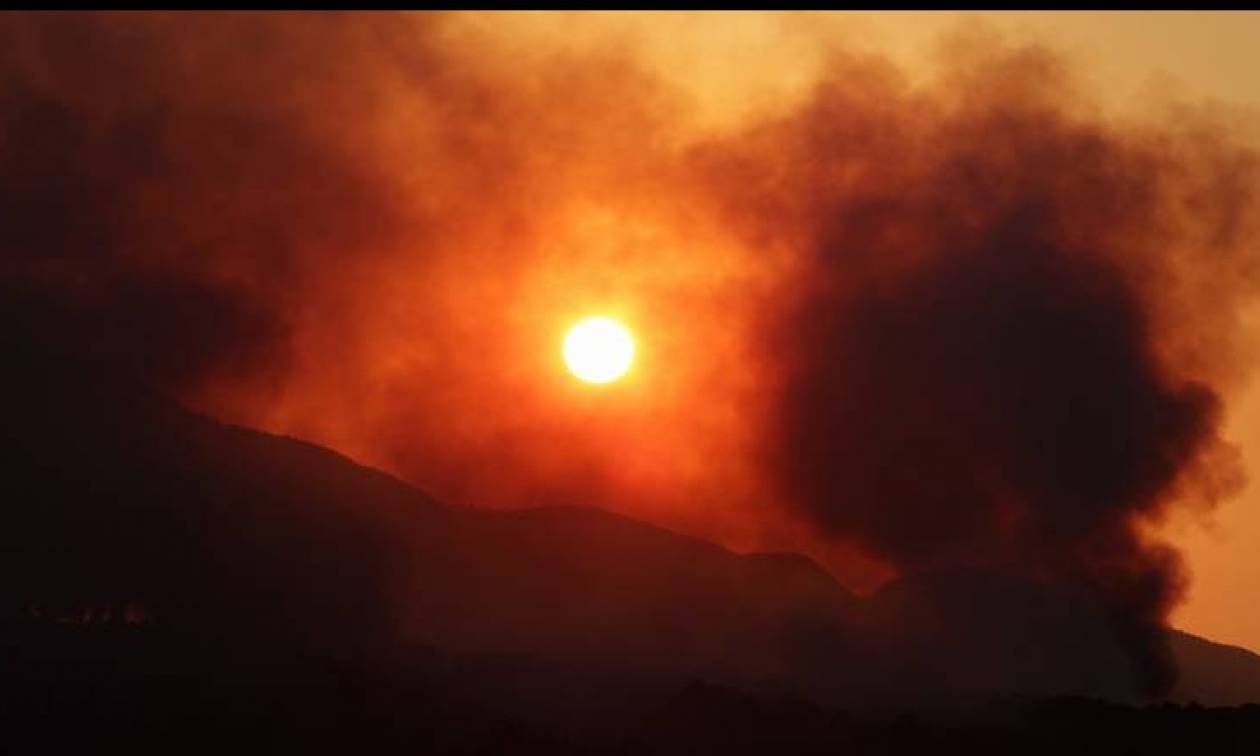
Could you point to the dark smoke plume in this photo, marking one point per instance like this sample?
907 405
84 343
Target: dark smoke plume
974 342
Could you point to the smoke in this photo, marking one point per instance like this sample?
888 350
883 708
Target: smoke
981 342
163 198
967 321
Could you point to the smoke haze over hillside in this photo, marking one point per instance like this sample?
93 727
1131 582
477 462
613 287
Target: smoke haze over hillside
902 323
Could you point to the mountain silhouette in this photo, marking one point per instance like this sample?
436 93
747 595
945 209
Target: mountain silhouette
150 539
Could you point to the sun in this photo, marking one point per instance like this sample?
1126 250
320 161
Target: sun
598 349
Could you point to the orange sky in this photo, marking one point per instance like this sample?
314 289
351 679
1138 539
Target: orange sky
373 231
732 68
744 63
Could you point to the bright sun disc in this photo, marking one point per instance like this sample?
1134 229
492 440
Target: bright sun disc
598 350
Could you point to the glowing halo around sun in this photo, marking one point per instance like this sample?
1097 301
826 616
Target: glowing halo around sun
598 349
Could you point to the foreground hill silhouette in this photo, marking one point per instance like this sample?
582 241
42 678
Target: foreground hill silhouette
167 574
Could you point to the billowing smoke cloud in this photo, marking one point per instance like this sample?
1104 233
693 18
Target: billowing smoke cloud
969 321
979 347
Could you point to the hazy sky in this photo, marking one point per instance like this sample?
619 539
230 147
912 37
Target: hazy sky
1136 63
891 275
